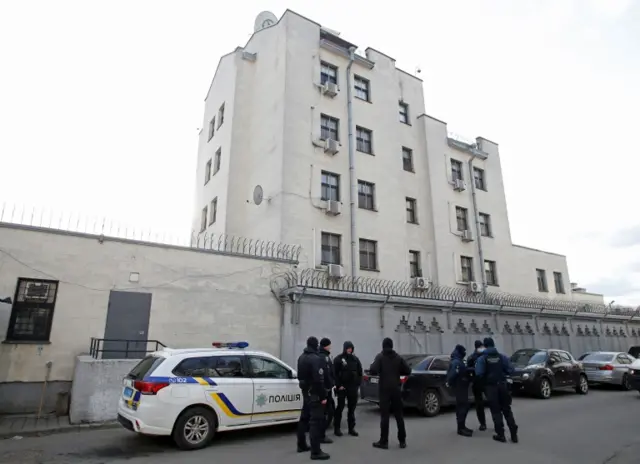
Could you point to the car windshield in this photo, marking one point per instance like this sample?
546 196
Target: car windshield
414 359
603 357
528 357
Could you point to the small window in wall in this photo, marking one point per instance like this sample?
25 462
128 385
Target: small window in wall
485 225
541 275
329 128
462 219
412 210
559 283
362 88
207 172
491 272
220 116
466 267
415 270
330 186
407 159
330 248
217 160
203 219
32 310
368 255
363 140
328 73
212 127
478 178
456 170
366 195
404 112
214 211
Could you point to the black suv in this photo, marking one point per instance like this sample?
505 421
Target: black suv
539 372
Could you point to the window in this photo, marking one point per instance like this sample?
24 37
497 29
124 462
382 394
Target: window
217 159
623 359
461 218
207 172
212 125
557 280
362 88
263 368
203 219
228 366
414 264
330 186
491 272
214 210
363 140
32 311
368 255
485 225
564 356
466 266
478 178
404 112
330 248
366 194
329 128
439 364
412 214
220 116
456 170
407 159
195 367
542 280
328 73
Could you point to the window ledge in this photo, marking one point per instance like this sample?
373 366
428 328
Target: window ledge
493 285
25 342
369 270
362 99
365 152
416 223
412 171
373 210
405 123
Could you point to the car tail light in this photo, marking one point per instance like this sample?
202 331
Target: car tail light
149 388
365 378
403 378
607 367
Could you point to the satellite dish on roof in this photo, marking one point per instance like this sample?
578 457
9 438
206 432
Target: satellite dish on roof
258 194
264 19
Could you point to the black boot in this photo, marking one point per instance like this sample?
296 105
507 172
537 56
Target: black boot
338 433
381 445
303 448
403 444
321 456
483 427
326 440
465 432
500 438
353 433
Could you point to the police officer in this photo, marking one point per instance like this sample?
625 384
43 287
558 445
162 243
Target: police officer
311 368
458 379
477 387
329 383
493 369
348 373
390 366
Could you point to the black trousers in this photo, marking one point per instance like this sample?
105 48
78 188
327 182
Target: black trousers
350 398
312 420
478 399
391 402
499 399
329 411
462 403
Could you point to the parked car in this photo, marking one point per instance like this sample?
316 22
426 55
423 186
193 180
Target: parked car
607 367
424 389
540 372
634 375
634 351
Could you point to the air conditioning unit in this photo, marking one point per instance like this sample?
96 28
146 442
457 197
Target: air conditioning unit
335 271
466 236
36 291
475 287
333 208
459 185
420 283
330 89
331 146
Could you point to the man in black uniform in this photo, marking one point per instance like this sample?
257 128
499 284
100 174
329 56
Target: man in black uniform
390 366
329 383
477 387
311 378
458 379
348 373
493 368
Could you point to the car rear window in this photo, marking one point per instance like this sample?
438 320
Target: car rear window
414 359
604 357
145 367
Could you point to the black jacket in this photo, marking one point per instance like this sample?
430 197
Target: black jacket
471 360
329 378
347 369
390 366
311 367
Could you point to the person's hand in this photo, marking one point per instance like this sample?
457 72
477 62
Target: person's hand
447 385
323 402
341 388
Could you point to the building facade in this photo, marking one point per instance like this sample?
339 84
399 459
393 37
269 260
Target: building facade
305 141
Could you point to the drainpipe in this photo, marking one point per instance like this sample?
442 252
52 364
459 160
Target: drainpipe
476 217
353 187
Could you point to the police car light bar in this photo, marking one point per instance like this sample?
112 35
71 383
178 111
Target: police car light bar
230 344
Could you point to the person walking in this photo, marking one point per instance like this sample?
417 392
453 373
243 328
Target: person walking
348 375
458 379
493 368
390 366
476 386
311 379
329 384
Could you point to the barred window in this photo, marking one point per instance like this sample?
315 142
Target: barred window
32 310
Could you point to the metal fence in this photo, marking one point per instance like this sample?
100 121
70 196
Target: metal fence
319 279
116 348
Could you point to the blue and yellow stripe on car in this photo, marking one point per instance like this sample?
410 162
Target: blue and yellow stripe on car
204 381
227 407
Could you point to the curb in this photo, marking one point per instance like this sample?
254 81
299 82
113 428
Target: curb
61 430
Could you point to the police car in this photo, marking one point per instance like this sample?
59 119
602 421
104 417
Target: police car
191 394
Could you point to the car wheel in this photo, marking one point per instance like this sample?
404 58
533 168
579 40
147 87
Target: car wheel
430 403
194 428
544 389
583 385
626 384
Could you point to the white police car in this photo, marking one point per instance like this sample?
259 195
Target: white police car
191 394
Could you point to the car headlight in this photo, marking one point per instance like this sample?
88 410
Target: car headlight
634 371
525 376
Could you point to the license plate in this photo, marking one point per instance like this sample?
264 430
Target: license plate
128 392
374 380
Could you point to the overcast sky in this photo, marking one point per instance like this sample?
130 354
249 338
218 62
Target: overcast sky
100 105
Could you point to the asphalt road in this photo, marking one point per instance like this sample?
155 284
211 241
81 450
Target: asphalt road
600 428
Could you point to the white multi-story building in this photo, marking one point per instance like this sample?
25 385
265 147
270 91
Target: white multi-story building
281 159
